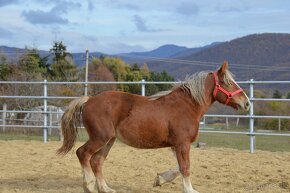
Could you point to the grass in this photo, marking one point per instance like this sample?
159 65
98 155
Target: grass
242 142
9 136
236 141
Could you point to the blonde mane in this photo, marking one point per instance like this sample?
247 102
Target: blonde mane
193 84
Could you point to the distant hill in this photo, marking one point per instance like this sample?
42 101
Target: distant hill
191 51
13 54
80 58
164 51
258 56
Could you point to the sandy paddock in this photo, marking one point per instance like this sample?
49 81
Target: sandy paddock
31 166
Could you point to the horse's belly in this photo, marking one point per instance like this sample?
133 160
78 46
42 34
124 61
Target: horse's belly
139 138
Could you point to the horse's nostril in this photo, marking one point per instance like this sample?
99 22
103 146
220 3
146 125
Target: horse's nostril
247 104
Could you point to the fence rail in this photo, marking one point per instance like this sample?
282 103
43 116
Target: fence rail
45 112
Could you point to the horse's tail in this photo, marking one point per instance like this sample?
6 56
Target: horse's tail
69 124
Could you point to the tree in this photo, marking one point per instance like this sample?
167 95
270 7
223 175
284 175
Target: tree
157 76
63 68
59 51
64 71
277 94
288 95
5 70
117 66
31 65
99 72
145 72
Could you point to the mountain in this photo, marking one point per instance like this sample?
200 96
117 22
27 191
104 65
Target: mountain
164 51
191 51
80 58
13 54
258 56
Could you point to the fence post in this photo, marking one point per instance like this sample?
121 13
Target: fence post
87 72
227 123
45 111
251 123
143 87
4 117
50 124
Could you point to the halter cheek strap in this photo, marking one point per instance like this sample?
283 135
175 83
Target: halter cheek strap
219 88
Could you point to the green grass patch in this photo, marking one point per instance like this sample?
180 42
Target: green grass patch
10 136
242 142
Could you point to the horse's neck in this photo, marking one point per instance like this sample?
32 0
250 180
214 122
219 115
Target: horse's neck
199 109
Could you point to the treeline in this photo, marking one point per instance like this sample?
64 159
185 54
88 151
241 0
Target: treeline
59 66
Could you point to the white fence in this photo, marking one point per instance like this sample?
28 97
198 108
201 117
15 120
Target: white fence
46 113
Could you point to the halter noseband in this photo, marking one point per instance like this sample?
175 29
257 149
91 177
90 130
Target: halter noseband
219 88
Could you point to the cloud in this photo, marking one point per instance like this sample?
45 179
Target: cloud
54 16
5 33
119 47
124 4
232 6
7 2
42 17
91 5
141 25
187 8
65 6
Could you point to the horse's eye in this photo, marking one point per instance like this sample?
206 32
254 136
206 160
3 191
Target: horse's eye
229 82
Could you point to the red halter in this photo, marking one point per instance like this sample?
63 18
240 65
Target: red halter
219 88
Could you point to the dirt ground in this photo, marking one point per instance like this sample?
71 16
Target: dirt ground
33 167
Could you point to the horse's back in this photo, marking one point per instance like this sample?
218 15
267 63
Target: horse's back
111 106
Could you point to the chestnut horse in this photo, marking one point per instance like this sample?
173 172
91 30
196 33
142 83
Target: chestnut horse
168 119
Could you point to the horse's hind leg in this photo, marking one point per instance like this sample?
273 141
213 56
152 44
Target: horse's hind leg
97 161
84 154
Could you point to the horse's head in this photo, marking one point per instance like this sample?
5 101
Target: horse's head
227 91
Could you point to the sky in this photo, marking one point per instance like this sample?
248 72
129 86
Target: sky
122 26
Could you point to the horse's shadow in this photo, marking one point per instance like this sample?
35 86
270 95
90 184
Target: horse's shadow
41 183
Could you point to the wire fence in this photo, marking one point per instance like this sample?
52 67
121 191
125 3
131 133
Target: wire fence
48 117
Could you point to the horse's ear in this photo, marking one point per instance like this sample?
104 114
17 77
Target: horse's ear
223 68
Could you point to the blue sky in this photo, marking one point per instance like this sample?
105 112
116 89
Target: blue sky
118 26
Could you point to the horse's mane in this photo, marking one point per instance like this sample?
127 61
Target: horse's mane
193 84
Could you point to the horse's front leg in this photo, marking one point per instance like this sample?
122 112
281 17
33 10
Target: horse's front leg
167 176
182 154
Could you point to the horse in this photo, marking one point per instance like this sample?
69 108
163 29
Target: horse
167 119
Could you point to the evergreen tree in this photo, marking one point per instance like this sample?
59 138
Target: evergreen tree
63 68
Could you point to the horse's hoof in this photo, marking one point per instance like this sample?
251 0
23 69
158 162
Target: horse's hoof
90 191
158 181
108 190
191 191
